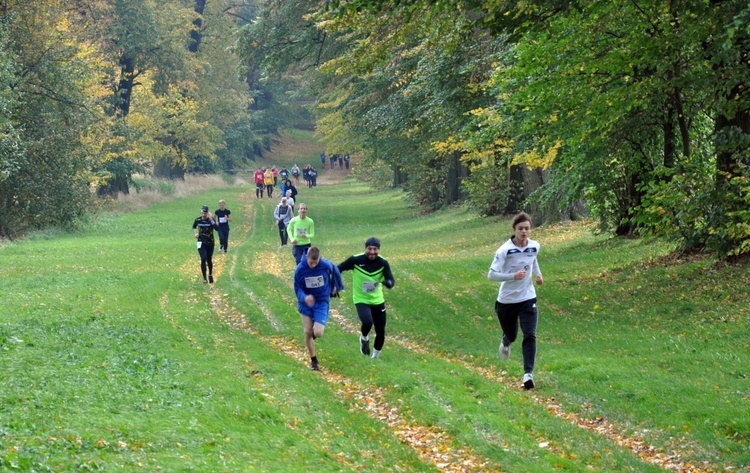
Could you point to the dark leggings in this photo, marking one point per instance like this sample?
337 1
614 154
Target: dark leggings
373 315
207 252
509 316
282 233
224 237
299 251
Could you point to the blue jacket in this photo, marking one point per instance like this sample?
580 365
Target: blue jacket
319 281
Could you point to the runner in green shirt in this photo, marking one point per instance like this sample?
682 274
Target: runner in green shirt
370 272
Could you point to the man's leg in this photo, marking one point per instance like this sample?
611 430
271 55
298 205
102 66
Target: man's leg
202 254
507 315
379 319
307 326
529 318
365 316
210 261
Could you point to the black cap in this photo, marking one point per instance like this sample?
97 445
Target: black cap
204 208
372 241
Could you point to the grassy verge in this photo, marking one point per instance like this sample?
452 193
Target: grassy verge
116 357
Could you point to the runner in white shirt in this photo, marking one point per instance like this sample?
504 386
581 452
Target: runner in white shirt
514 266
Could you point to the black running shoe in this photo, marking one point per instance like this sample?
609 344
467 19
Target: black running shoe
364 346
314 365
210 279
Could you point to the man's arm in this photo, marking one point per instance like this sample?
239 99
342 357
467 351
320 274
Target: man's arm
347 264
388 280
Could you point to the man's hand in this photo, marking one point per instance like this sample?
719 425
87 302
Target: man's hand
310 300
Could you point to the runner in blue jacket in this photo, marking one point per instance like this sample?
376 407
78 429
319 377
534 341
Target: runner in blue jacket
316 280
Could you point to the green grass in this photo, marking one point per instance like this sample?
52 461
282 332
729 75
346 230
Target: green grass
115 357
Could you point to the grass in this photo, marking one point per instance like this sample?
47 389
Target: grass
115 357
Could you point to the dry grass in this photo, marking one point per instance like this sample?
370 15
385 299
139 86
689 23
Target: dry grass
192 184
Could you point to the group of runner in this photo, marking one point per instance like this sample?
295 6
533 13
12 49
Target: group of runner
317 279
342 159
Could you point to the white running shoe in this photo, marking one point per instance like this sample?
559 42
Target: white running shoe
528 381
504 351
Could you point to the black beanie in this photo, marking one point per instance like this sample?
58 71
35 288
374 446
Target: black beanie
372 241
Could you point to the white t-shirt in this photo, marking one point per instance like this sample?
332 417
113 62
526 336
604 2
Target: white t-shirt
509 258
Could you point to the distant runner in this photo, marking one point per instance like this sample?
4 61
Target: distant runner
301 230
223 217
203 229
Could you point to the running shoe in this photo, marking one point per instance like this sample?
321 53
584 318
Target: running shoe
528 381
210 278
504 351
364 345
314 365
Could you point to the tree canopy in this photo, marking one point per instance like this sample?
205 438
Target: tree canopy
636 113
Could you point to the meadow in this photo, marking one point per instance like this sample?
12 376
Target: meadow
115 356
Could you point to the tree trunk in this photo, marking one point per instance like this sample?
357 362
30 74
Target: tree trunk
399 177
728 157
196 35
125 87
517 189
457 171
669 142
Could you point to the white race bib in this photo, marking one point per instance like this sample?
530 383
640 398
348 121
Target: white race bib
222 220
199 244
314 282
369 286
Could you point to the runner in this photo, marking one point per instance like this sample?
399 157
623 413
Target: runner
259 184
223 216
268 180
370 272
514 264
316 280
301 230
283 214
203 229
295 174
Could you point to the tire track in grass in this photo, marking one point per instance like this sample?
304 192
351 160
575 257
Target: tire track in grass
431 443
238 322
670 461
247 235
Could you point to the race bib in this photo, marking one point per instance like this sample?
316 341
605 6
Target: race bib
369 286
314 282
222 220
199 244
301 232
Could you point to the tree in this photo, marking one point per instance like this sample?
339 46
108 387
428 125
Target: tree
53 77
